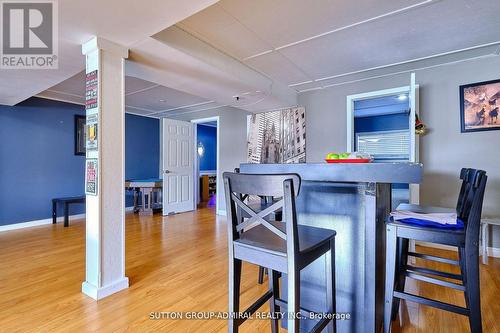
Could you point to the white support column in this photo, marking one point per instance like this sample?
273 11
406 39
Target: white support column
105 168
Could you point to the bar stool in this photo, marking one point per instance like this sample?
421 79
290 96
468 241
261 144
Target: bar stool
281 247
276 216
466 239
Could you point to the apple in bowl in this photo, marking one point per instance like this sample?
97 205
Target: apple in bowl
332 156
354 157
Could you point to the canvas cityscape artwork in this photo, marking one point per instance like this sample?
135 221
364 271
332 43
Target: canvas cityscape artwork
277 136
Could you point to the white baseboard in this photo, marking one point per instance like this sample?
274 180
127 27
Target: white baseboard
99 293
492 251
35 223
38 222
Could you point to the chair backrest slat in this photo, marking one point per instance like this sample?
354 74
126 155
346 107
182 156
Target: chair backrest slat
473 202
463 176
290 215
470 184
470 181
260 185
240 187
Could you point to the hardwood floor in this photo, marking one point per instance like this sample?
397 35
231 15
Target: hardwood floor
175 263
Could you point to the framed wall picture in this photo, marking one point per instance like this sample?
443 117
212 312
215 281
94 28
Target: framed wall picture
277 136
80 135
479 106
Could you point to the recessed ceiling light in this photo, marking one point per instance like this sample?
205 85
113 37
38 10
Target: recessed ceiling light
162 100
402 97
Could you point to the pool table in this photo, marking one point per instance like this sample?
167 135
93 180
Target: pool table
147 194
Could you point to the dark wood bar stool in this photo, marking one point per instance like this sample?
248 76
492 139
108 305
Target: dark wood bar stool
466 239
276 216
281 247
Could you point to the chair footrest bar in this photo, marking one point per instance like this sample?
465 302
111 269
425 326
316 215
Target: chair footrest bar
434 258
434 272
255 306
283 304
320 325
431 302
429 279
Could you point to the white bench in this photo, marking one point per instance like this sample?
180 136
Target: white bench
485 223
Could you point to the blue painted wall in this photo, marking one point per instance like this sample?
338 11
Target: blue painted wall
142 150
37 161
207 135
381 114
381 123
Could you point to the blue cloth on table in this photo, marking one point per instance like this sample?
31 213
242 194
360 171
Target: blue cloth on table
426 223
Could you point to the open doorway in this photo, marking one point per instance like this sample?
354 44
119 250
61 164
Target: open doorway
381 129
206 142
381 123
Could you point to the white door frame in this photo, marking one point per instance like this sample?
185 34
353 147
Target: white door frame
197 167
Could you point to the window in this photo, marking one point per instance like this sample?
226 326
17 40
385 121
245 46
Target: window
304 136
303 115
298 139
384 144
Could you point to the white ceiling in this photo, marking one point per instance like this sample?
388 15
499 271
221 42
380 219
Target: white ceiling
296 41
177 59
209 124
141 97
122 21
264 52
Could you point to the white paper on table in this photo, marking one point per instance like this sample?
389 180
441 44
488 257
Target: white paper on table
441 218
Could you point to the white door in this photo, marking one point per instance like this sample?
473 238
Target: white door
178 166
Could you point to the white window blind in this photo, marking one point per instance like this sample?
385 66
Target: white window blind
384 144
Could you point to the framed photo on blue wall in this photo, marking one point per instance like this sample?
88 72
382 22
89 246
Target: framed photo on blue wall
479 106
80 135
